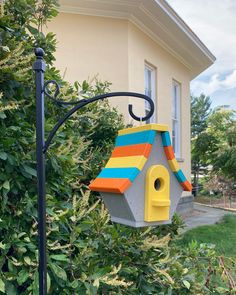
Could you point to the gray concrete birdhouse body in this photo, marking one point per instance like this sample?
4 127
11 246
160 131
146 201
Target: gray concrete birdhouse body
141 184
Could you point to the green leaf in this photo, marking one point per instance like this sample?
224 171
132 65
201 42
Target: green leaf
6 185
27 260
55 164
92 290
222 290
35 284
74 284
5 48
30 170
186 284
2 115
3 156
2 246
58 271
48 282
22 234
2 286
60 257
22 276
10 289
32 30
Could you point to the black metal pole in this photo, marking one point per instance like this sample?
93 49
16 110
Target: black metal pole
39 68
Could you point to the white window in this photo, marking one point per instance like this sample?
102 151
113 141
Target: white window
176 98
150 90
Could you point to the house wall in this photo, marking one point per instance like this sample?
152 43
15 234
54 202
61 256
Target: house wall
91 46
143 49
117 50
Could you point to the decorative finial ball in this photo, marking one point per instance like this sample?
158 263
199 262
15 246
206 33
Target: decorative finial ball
39 52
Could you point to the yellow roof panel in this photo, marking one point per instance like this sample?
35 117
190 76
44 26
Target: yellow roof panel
157 127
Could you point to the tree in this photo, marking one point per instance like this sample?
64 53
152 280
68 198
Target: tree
221 124
201 144
200 111
225 162
213 138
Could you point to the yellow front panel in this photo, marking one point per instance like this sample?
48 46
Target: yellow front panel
132 161
157 194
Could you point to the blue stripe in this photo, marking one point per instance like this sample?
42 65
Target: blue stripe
180 176
130 173
166 138
136 138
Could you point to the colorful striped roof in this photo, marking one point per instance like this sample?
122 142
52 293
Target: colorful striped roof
132 149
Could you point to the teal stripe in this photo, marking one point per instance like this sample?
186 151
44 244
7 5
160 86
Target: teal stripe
131 173
166 141
136 138
180 176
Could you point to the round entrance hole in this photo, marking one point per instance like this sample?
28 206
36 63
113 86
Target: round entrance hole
157 184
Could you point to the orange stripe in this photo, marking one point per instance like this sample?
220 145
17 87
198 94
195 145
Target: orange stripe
132 150
110 185
186 185
169 152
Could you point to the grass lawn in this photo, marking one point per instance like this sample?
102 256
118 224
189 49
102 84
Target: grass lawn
223 235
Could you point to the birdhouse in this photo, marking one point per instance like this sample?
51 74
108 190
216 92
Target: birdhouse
142 182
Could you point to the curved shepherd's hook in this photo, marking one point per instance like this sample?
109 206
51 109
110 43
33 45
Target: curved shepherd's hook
83 102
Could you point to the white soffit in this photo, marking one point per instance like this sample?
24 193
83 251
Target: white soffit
157 19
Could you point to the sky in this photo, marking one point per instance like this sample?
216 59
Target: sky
214 22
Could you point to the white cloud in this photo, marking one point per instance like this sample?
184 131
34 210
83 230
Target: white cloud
213 84
214 21
230 80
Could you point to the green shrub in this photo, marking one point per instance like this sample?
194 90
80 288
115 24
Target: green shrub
89 255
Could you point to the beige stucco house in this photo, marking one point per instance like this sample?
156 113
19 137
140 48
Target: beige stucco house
140 46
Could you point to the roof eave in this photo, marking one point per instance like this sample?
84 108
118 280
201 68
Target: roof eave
157 19
186 29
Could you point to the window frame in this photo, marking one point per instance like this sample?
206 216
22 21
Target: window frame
152 95
176 117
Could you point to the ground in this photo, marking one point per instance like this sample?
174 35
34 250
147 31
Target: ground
222 235
203 215
213 226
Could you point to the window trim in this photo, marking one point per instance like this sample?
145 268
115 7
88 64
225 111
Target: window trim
153 70
177 119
